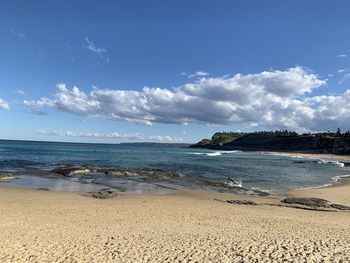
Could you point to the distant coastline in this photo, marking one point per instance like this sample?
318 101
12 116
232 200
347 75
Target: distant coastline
175 144
279 141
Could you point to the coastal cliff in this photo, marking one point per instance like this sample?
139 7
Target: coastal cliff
326 142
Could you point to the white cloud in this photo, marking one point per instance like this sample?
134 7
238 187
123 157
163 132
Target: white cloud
198 74
345 78
4 105
267 100
96 50
20 92
114 136
18 35
343 70
343 56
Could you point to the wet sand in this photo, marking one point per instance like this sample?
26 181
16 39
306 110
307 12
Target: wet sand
40 226
332 157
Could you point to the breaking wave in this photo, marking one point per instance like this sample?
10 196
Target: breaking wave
322 161
218 153
334 180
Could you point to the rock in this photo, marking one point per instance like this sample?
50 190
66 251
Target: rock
43 189
103 194
307 201
299 162
114 173
71 171
340 207
6 177
130 173
5 174
159 174
224 188
241 202
119 172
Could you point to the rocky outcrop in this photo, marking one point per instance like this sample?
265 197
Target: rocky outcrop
148 174
278 141
225 188
70 171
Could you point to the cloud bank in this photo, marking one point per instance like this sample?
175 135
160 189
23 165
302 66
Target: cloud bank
267 100
114 136
4 105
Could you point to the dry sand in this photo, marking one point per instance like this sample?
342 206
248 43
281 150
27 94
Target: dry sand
39 226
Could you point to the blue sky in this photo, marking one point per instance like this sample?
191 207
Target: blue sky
293 58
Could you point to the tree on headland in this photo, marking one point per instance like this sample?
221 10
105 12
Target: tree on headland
339 132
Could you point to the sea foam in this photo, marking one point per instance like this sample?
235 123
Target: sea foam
217 153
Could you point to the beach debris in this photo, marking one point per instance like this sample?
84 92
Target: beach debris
102 194
6 177
241 202
307 201
70 171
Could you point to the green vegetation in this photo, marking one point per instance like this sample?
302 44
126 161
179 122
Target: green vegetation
280 140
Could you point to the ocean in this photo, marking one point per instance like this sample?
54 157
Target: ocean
255 170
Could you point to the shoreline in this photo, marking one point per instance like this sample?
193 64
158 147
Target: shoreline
328 156
337 180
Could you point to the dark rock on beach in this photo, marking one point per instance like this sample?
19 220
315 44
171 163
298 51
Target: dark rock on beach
314 203
43 189
241 202
340 207
6 177
307 201
102 194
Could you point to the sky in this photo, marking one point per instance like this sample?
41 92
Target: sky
171 71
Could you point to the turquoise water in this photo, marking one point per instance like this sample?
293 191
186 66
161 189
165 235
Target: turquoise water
253 169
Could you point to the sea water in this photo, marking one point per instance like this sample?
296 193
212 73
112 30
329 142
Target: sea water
253 169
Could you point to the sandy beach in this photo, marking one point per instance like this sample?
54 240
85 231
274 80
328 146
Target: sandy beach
41 226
